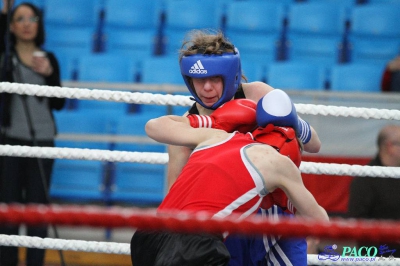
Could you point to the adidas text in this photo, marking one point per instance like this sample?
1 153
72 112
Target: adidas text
198 71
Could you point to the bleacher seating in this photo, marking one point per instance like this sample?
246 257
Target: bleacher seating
374 26
316 32
258 32
107 68
254 71
182 16
131 27
63 14
71 31
138 183
296 75
82 122
161 70
78 181
356 77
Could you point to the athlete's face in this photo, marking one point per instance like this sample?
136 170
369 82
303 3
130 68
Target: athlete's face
209 90
24 24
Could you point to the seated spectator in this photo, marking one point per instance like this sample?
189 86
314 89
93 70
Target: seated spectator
391 76
376 197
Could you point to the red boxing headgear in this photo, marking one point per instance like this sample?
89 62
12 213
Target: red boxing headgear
283 139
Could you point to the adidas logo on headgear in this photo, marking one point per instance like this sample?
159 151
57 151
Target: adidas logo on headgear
197 68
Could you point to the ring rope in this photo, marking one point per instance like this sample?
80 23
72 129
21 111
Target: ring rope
89 94
62 244
162 158
337 228
83 154
160 99
124 249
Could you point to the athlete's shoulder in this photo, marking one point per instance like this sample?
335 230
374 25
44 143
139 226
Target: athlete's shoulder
256 90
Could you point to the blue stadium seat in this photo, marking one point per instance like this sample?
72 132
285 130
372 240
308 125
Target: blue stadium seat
258 32
375 21
133 124
133 43
161 70
355 77
253 70
38 3
374 34
323 50
365 50
106 68
131 14
347 3
82 122
69 44
256 16
65 14
296 75
182 16
72 41
383 1
78 181
316 32
131 27
138 184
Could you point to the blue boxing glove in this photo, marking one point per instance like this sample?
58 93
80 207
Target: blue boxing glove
277 108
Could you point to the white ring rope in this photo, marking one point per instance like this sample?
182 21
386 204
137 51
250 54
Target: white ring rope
124 249
62 244
103 95
160 99
83 154
162 158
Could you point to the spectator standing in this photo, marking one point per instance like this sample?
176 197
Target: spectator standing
26 120
375 197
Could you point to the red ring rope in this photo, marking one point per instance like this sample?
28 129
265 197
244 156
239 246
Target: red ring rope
388 231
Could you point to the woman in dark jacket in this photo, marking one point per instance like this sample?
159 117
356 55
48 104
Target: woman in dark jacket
26 120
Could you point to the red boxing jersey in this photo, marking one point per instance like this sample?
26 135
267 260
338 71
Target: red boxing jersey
218 179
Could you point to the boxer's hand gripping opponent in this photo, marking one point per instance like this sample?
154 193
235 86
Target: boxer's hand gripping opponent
236 115
279 198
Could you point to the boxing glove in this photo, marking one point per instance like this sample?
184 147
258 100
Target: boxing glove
236 115
279 198
277 108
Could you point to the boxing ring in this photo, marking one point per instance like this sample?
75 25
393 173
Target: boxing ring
120 217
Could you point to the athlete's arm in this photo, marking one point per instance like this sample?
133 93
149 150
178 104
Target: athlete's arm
280 172
178 157
176 130
256 90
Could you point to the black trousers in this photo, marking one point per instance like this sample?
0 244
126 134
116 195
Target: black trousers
21 182
173 249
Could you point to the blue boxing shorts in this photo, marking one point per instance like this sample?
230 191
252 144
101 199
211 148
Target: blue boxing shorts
267 250
150 248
